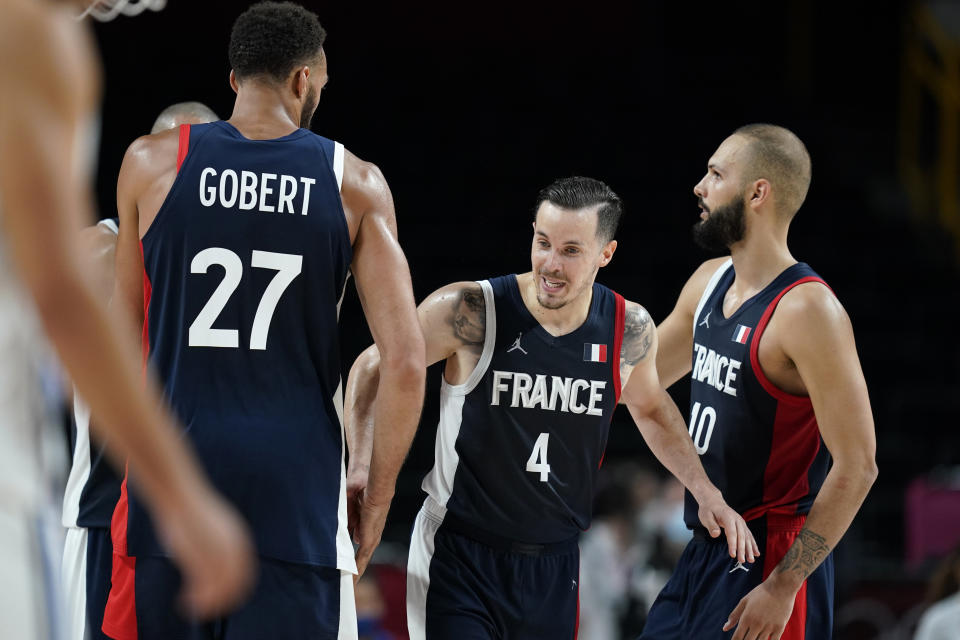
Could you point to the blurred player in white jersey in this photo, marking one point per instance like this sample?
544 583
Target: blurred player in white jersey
49 79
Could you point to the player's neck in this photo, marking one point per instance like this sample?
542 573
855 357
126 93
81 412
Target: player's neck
758 259
556 322
260 113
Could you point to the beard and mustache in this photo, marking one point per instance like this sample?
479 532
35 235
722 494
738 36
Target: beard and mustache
309 108
725 225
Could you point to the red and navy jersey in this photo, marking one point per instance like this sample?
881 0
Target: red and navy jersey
520 443
759 445
245 264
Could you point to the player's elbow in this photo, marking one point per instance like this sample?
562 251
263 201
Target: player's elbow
405 365
857 472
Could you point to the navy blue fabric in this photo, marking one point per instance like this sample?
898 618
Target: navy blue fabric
732 418
707 585
99 566
262 421
480 593
492 489
289 601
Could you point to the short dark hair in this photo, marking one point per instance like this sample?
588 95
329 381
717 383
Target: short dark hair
273 38
777 154
577 192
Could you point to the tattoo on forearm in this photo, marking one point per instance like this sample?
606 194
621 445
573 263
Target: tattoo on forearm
470 318
805 554
637 335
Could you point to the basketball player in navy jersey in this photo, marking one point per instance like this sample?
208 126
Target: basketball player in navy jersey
535 365
236 238
93 486
776 391
49 75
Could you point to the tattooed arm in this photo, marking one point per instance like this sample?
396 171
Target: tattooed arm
665 432
812 332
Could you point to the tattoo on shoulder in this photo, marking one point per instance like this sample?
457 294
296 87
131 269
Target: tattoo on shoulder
470 317
805 554
637 335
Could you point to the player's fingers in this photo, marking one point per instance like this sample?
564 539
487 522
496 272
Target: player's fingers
709 521
734 618
741 541
733 536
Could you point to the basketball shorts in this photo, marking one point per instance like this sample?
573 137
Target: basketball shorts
708 584
289 601
30 598
469 585
85 572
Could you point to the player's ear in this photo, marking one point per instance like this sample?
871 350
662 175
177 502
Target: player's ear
606 254
301 81
761 192
233 81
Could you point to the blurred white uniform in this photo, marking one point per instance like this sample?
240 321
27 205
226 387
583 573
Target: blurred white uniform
29 591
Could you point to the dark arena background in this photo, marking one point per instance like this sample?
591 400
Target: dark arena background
470 108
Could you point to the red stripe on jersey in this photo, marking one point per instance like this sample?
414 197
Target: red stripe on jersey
781 533
120 614
771 388
145 333
618 341
795 440
183 145
576 627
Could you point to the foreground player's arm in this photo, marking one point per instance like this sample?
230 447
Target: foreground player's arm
675 333
41 118
98 247
820 344
386 293
665 432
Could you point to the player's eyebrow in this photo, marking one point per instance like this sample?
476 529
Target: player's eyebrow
568 242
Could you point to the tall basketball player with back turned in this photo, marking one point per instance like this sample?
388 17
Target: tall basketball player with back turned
50 85
248 227
776 390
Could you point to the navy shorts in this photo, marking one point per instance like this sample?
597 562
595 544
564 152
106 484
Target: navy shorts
99 561
708 584
289 601
464 584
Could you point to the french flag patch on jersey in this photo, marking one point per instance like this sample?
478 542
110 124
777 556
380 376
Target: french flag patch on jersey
594 352
741 334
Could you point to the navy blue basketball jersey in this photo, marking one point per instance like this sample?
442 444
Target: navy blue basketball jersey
519 443
245 264
759 445
93 486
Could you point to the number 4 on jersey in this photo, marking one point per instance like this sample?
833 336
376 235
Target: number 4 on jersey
538 457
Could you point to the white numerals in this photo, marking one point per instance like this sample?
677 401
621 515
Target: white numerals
701 426
202 333
537 463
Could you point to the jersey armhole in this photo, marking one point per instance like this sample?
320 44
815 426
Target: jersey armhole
338 157
489 342
758 373
711 285
110 223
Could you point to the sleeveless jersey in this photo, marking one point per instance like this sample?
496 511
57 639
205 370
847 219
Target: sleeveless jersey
520 443
759 445
93 486
245 265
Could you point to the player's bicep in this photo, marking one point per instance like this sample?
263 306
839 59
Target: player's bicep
676 345
830 369
638 359
453 317
128 259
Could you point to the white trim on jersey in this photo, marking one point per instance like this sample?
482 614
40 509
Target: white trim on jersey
110 224
80 469
439 482
418 569
73 577
711 285
346 560
338 163
348 609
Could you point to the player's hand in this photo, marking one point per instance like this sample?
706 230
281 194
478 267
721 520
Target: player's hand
211 546
761 614
356 484
715 514
372 514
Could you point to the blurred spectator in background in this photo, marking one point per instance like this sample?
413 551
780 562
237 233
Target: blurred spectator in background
370 609
942 620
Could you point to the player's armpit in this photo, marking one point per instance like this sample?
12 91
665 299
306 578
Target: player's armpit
676 331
